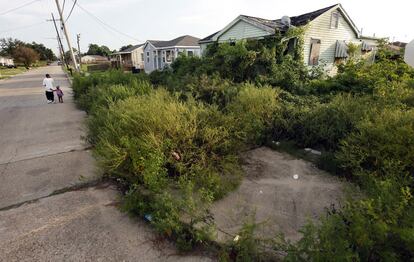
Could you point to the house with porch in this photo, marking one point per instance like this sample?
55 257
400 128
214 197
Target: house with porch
130 58
160 54
328 31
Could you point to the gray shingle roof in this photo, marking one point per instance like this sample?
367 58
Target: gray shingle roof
132 48
306 18
186 40
299 20
128 50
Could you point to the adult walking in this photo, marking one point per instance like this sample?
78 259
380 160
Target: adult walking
48 84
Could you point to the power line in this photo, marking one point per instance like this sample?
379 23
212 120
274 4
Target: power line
21 6
105 24
63 6
21 27
73 6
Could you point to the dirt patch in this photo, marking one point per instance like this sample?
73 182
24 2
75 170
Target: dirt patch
281 192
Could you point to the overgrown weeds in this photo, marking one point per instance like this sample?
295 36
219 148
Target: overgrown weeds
176 145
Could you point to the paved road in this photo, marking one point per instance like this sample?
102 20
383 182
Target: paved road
42 153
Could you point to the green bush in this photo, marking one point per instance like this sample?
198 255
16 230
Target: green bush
326 124
253 110
85 87
381 145
142 136
378 228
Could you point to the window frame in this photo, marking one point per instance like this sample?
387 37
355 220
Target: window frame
335 16
314 43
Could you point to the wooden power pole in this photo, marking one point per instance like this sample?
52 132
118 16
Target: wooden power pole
67 36
61 49
79 52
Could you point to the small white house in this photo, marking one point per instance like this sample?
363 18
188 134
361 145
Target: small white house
6 61
160 54
94 59
132 57
328 31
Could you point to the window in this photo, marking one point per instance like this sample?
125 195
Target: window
168 55
335 20
314 51
142 56
148 57
190 53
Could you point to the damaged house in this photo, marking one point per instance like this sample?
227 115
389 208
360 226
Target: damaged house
328 32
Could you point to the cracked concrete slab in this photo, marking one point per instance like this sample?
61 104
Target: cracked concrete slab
42 149
280 192
83 225
39 177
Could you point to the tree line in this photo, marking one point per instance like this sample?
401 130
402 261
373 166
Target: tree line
25 53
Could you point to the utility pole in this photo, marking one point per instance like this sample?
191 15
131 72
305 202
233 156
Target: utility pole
62 55
79 52
67 36
61 49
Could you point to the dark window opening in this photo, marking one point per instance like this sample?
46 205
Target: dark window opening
314 51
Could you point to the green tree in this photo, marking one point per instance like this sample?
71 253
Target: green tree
46 54
125 47
25 55
95 49
8 45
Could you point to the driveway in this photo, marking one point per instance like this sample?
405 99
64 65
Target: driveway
44 214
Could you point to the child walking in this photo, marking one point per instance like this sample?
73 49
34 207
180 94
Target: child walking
59 93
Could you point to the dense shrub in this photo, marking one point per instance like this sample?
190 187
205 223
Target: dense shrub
85 87
327 123
378 228
360 77
143 136
176 147
253 110
381 145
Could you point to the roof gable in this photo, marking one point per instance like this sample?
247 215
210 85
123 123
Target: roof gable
266 25
304 19
271 25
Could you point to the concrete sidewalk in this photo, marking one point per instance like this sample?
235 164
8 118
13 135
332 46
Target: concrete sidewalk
42 152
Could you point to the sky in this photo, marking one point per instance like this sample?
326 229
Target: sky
115 23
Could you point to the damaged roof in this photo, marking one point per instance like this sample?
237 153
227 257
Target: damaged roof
271 25
306 18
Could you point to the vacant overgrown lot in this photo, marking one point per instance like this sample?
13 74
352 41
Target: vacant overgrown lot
173 140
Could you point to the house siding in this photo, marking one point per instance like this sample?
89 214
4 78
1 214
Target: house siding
242 30
160 64
149 66
320 29
137 61
203 48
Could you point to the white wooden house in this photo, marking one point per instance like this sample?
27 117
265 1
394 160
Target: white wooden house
94 59
328 31
132 57
6 61
160 54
